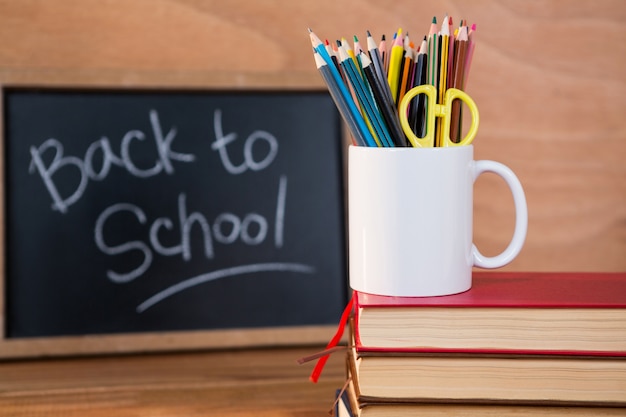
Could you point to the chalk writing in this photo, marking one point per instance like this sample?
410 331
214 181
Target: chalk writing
251 230
222 141
223 273
86 169
226 228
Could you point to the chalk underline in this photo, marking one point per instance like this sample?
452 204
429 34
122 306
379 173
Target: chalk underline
223 273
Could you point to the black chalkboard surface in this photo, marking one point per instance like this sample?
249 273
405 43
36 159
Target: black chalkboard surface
142 211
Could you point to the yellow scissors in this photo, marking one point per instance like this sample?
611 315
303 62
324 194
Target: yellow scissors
443 110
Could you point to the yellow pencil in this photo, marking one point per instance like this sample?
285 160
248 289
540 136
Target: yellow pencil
443 71
395 64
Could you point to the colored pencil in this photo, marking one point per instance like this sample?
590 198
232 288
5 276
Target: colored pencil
335 59
387 108
341 45
352 116
451 47
357 46
346 45
443 72
417 115
368 81
365 98
384 55
470 53
357 51
339 100
378 63
395 64
329 50
433 57
457 82
406 80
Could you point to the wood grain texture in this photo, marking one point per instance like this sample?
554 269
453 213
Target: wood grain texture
226 383
549 78
148 342
255 383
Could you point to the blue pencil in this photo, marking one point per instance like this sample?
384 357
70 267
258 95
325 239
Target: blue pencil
365 97
339 99
353 116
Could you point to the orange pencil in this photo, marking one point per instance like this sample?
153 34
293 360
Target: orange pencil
407 72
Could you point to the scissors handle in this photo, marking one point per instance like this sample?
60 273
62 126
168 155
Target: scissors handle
444 111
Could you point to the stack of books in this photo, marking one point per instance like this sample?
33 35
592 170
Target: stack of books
518 344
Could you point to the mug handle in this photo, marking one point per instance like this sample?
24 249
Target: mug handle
521 216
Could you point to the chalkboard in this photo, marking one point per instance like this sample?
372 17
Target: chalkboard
141 211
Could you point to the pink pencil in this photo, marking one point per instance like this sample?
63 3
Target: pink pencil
382 49
470 53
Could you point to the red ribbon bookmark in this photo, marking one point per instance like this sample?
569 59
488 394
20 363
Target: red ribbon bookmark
319 366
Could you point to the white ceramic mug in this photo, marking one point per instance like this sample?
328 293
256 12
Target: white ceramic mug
410 219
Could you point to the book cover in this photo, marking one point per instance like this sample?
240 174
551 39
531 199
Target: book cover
488 379
348 405
503 312
342 406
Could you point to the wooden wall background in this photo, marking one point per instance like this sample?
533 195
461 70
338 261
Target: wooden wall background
549 77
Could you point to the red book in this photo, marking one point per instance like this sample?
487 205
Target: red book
503 312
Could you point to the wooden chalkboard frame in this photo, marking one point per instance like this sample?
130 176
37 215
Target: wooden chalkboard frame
149 341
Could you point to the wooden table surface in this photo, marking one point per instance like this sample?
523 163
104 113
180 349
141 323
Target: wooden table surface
253 382
258 382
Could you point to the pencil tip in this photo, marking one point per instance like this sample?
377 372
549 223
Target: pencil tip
434 19
383 37
310 30
368 33
355 38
